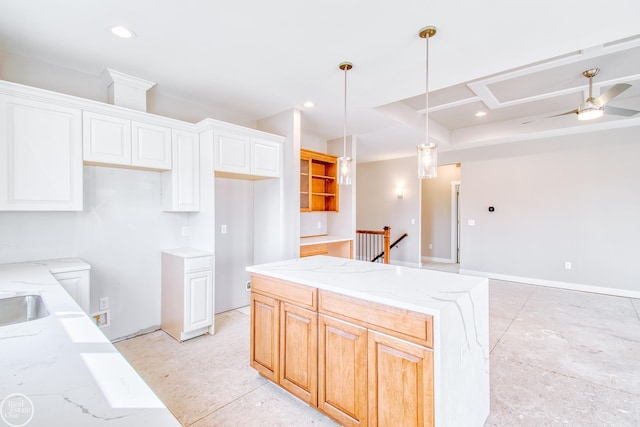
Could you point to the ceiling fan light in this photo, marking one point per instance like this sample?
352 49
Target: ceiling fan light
590 113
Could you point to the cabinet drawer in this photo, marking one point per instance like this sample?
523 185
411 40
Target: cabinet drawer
409 325
198 264
318 249
303 296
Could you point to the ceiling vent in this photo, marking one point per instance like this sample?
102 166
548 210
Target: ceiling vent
127 91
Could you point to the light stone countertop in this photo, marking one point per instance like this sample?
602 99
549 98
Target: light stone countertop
68 370
420 290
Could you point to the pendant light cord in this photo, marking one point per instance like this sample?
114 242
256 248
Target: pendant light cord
344 148
426 97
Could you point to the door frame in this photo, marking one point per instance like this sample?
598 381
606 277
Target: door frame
455 221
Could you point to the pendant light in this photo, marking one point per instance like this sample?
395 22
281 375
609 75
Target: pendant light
344 162
427 152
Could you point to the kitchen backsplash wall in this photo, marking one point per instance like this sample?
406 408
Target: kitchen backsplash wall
120 233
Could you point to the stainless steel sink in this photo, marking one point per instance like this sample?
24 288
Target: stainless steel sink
21 308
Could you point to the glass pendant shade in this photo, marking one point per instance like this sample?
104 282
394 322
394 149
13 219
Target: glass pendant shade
344 170
428 160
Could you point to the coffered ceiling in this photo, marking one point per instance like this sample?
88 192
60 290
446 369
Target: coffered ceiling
517 61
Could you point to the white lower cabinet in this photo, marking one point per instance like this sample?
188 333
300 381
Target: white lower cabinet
77 284
40 156
187 293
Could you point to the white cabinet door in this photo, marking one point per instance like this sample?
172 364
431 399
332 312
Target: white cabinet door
265 158
232 153
150 146
106 139
40 156
198 300
77 284
181 185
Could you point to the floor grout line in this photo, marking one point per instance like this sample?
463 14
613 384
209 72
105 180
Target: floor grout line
634 308
512 320
225 405
575 378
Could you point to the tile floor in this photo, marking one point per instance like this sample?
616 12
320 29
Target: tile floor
558 357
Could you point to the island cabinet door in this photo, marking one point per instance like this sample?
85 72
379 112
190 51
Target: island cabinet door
299 352
265 327
400 382
342 371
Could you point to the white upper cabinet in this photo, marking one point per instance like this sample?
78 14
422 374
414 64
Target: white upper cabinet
232 153
181 185
265 158
150 146
247 156
110 140
106 139
40 156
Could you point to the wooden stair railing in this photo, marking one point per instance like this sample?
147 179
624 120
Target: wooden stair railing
372 245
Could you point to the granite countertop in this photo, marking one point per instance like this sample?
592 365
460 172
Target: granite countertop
63 368
424 291
324 238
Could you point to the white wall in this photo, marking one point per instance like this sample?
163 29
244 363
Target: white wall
436 214
573 198
378 206
234 249
287 124
31 72
120 233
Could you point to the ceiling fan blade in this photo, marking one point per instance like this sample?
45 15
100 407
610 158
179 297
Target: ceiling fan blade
556 115
611 93
620 111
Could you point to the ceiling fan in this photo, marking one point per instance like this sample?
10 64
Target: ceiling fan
592 108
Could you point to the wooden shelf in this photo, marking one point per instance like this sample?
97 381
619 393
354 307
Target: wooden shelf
318 183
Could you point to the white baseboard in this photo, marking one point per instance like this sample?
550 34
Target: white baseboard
435 259
627 293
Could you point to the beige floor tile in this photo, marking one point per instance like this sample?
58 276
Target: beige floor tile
506 299
558 358
266 406
526 396
497 328
608 357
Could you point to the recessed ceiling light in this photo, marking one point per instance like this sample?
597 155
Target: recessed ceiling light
123 32
309 104
481 113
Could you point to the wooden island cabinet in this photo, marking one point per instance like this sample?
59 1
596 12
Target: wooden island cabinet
321 330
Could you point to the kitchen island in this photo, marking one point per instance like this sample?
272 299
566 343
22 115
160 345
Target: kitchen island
373 344
60 369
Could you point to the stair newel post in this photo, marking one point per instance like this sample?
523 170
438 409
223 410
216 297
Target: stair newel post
387 244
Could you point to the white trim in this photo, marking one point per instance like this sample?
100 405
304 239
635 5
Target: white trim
454 222
436 259
404 263
626 293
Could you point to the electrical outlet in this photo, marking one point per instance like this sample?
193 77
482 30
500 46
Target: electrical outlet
319 224
104 303
567 265
430 245
102 318
223 229
185 231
